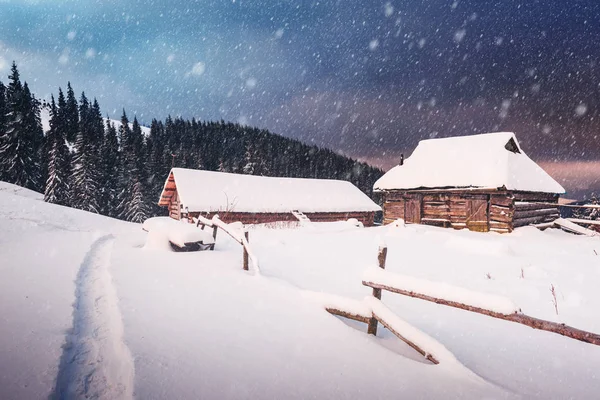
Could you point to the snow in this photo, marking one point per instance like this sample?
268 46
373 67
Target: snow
478 161
210 191
573 227
441 290
178 232
414 335
162 324
20 191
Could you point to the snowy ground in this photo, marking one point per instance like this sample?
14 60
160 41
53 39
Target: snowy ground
86 309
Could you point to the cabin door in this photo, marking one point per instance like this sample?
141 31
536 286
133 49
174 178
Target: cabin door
477 215
412 210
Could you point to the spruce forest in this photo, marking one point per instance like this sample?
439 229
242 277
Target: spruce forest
89 164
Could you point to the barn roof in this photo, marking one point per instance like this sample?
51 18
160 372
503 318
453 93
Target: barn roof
491 160
209 191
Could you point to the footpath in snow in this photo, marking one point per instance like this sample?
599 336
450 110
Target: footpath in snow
96 363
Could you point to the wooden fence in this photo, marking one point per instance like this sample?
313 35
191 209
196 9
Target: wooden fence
241 237
378 285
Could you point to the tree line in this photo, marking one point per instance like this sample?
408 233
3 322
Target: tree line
87 163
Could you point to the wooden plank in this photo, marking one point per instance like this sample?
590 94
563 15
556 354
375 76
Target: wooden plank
348 315
405 340
381 257
520 318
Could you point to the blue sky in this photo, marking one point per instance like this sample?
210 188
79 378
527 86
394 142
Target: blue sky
367 78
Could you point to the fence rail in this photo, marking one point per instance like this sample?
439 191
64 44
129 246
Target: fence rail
240 236
501 309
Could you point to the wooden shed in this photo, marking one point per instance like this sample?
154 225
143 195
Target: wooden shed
481 182
258 199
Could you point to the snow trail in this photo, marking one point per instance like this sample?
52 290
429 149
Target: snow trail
96 362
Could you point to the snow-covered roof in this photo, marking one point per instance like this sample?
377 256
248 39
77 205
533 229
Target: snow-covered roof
209 191
491 160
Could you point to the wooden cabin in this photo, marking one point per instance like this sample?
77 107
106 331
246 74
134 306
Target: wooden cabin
482 183
258 199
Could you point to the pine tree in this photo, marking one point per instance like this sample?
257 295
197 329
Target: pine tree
133 205
20 142
250 163
71 114
137 210
137 206
3 126
57 188
109 165
126 164
85 176
32 126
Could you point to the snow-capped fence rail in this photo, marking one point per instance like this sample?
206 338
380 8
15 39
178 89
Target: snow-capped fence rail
372 311
240 236
481 303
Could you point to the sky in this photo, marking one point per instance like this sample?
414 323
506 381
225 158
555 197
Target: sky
366 78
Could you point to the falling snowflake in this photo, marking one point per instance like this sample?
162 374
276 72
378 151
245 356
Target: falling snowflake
373 44
459 35
388 9
90 53
251 83
198 68
581 110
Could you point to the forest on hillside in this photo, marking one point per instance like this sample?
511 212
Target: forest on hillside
85 163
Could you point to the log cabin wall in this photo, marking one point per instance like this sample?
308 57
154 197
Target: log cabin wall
247 218
174 207
477 210
534 208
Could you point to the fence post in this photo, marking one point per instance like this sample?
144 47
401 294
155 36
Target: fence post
381 257
245 252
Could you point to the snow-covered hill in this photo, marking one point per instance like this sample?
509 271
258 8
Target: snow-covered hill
87 310
45 116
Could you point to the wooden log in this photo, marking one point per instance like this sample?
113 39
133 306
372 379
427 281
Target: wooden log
245 252
535 196
501 218
534 220
534 206
405 340
519 318
505 201
535 213
381 257
501 209
341 313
